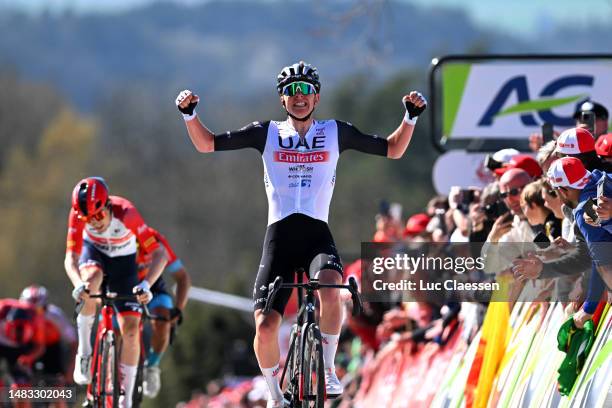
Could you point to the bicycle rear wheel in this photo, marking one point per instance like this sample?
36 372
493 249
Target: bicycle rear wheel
312 370
107 389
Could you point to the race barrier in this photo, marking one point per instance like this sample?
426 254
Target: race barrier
513 361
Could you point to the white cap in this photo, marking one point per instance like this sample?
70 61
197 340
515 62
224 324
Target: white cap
504 155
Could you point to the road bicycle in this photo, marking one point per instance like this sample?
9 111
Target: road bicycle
104 390
303 369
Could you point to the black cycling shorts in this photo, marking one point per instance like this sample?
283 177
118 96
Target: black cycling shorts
296 241
120 275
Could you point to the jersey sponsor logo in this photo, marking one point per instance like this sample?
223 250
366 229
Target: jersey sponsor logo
149 242
318 142
260 300
303 183
301 168
320 131
294 157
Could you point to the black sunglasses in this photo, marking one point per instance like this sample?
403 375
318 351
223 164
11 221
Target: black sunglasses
512 192
551 193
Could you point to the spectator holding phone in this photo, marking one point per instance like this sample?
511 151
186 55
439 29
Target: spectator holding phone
578 187
599 114
511 228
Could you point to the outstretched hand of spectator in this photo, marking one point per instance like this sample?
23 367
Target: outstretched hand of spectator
526 268
581 317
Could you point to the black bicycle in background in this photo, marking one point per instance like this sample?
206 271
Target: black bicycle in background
305 384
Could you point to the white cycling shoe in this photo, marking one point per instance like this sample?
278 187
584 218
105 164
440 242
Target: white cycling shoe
333 386
82 370
152 382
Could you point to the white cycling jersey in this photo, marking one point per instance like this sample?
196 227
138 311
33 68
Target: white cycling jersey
300 173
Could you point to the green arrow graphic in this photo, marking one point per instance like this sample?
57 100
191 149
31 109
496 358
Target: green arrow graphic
540 104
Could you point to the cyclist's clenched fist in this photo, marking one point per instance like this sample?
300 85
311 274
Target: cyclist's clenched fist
186 101
415 103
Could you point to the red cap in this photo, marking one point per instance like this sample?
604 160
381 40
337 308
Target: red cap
568 172
416 224
575 141
522 161
603 146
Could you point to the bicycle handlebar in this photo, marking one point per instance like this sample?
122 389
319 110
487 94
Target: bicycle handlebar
115 296
313 285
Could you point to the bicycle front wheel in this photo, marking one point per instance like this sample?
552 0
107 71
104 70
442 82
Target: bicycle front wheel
312 370
108 386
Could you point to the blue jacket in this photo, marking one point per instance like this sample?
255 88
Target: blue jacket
598 239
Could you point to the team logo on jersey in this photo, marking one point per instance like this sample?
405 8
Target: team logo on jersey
296 157
317 142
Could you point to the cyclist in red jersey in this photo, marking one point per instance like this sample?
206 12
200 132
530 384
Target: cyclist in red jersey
162 305
104 233
60 338
21 338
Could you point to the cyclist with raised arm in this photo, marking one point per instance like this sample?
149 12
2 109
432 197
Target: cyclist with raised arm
104 233
299 157
162 305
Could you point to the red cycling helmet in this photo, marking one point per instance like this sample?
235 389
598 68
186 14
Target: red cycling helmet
90 196
35 295
18 326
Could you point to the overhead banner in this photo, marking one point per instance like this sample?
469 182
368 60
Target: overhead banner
511 97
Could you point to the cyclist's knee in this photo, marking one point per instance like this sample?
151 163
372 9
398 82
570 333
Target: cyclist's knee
92 274
129 326
267 326
329 277
328 296
161 328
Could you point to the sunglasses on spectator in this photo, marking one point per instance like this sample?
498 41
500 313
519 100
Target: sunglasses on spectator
551 193
304 87
512 192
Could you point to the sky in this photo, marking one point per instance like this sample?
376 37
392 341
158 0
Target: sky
525 18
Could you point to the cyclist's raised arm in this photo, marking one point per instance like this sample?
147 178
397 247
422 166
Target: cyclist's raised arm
415 104
201 137
394 146
205 141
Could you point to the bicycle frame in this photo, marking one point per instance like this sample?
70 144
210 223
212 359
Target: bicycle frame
105 325
305 317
